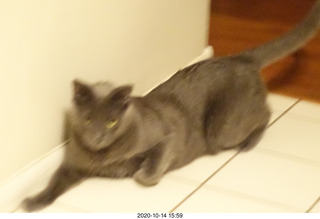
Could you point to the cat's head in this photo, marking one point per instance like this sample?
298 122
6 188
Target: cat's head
101 113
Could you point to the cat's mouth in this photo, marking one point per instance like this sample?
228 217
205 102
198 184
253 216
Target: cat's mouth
98 144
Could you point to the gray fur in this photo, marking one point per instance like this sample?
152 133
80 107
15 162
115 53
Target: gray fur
213 105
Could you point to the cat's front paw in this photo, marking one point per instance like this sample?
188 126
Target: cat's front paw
147 180
34 204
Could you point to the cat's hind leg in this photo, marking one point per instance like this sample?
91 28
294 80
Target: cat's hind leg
253 139
244 141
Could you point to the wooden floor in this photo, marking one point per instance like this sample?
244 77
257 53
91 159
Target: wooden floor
237 25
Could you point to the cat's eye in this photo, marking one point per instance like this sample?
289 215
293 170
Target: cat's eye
111 123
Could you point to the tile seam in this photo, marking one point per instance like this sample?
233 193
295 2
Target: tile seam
247 196
313 205
284 112
229 160
204 182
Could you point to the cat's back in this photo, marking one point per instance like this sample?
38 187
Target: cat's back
193 85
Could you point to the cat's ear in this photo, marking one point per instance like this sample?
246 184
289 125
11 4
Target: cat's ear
121 95
82 93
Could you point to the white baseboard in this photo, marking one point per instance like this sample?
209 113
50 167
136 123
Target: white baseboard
36 175
207 53
29 180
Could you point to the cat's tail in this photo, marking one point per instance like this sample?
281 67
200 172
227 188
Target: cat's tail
288 43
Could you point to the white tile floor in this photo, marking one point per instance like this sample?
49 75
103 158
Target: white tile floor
282 174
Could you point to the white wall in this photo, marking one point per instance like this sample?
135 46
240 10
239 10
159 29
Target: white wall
45 44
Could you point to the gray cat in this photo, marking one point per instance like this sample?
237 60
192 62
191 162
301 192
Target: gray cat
213 105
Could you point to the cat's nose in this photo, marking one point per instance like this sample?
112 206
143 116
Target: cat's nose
97 138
